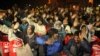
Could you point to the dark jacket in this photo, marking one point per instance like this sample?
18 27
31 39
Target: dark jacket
33 45
77 49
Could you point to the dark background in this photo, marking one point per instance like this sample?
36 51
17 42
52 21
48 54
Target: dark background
4 4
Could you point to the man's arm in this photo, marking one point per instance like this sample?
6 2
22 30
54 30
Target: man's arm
7 30
4 29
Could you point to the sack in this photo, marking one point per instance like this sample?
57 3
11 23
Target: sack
67 39
95 50
24 51
14 44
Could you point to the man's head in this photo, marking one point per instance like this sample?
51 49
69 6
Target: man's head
15 25
76 36
53 33
84 29
30 29
40 21
65 21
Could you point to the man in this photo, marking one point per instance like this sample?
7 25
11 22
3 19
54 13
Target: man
14 36
77 46
51 42
31 39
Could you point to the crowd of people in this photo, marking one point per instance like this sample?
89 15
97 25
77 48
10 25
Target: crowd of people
53 31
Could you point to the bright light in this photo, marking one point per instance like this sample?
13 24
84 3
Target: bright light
90 1
99 5
29 5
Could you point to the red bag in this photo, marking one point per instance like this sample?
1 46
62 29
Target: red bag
5 48
67 39
95 39
13 45
96 50
4 38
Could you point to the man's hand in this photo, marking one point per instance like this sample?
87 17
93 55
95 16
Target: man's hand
49 42
81 36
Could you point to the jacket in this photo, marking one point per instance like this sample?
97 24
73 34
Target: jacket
32 43
77 49
50 50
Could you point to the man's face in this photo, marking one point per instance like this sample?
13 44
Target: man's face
97 18
51 21
65 21
76 38
84 29
56 18
55 36
9 11
44 15
29 30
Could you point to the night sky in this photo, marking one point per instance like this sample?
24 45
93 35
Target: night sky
4 4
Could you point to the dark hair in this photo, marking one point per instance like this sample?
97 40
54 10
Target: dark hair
18 21
52 31
83 26
97 33
77 33
42 20
14 23
32 28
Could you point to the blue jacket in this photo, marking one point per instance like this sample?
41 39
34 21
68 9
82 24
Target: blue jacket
50 49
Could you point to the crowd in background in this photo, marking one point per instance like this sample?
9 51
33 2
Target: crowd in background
52 31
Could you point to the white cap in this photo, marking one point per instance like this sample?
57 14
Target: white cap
68 29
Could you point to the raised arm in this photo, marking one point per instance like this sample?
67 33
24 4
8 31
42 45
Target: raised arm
4 29
7 30
30 20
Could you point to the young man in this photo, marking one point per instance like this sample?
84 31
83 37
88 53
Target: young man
77 46
40 28
51 42
31 39
14 36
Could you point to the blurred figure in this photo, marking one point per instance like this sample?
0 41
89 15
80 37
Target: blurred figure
51 42
31 39
40 28
66 26
77 46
